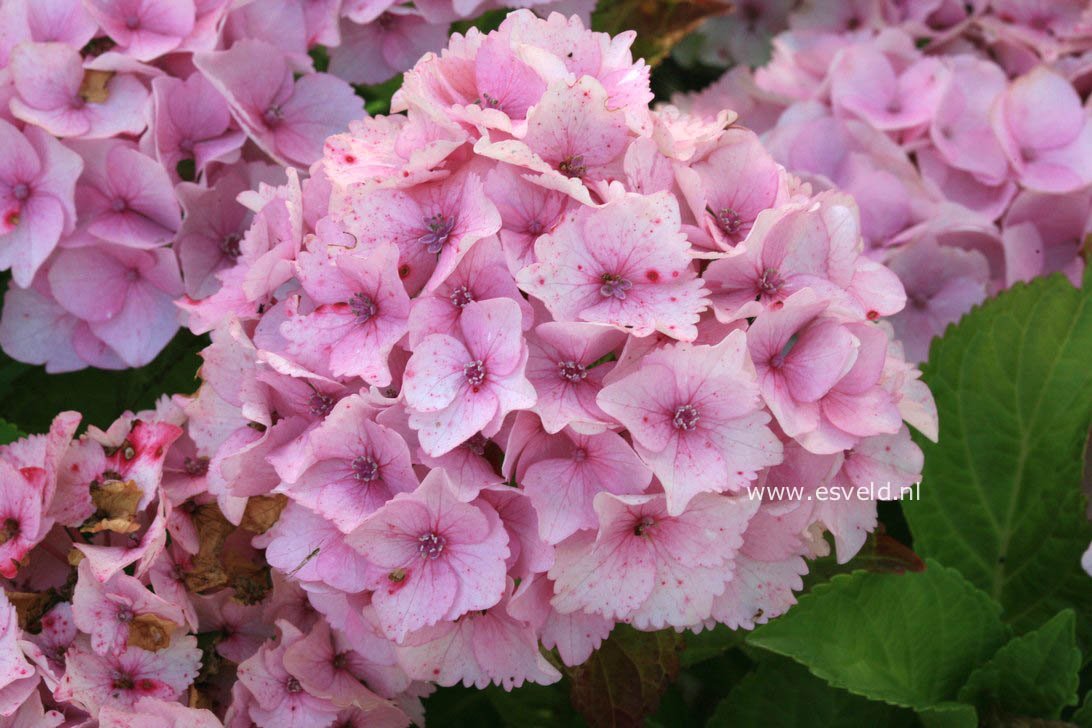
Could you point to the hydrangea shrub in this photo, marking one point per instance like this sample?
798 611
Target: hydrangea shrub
532 382
499 372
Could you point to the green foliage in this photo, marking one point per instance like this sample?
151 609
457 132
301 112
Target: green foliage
709 644
1083 715
783 694
659 25
377 97
29 398
1033 675
8 432
1001 493
908 639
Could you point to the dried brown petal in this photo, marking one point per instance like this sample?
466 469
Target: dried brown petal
250 581
198 699
29 606
116 505
9 529
117 525
150 632
213 529
262 512
93 87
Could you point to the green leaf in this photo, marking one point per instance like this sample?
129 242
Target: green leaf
8 432
1083 715
949 715
486 22
909 639
659 25
1035 674
623 681
29 397
1001 493
377 97
709 644
535 706
783 694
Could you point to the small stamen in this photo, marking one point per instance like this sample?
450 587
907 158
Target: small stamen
686 418
273 115
572 371
438 230
770 282
362 307
229 246
476 444
475 372
573 166
728 220
614 286
461 296
196 467
320 404
431 544
365 469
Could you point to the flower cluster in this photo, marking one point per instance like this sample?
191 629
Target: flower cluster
496 375
128 127
932 115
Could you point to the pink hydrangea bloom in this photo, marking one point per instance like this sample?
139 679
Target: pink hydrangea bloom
463 398
433 225
647 566
37 187
480 275
328 666
434 558
125 295
361 313
289 119
280 700
105 611
625 264
124 197
729 188
152 711
17 676
48 78
144 29
191 121
21 514
1050 152
563 488
353 467
311 548
482 648
799 355
456 388
93 681
942 283
695 417
374 50
565 366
